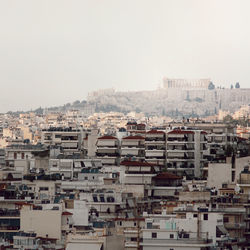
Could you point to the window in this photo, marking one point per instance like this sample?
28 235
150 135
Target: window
195 215
102 198
15 155
171 236
22 155
134 224
149 225
233 176
154 235
205 216
43 189
225 219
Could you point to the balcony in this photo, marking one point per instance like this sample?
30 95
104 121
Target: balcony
107 143
108 160
9 228
132 151
107 154
234 225
243 182
154 153
9 213
155 139
131 244
170 242
106 150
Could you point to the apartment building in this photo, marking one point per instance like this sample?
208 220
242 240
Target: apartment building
19 156
185 152
45 221
9 223
135 128
219 136
69 140
137 173
108 150
155 147
166 186
133 147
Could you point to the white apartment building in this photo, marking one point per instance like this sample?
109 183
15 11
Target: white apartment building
68 139
133 147
185 151
155 147
108 150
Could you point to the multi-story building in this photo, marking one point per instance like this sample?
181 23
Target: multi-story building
18 156
9 223
185 151
166 186
244 181
188 229
133 147
137 173
155 147
68 139
135 128
108 150
247 220
219 137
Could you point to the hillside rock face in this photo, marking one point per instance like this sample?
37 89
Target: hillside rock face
170 101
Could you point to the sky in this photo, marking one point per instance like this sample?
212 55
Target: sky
55 51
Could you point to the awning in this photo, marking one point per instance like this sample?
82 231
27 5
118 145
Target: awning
87 163
131 203
222 229
77 164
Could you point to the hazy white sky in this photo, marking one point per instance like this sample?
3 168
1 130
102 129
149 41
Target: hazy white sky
56 51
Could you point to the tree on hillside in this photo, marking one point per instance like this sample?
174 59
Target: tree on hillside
228 119
75 103
237 85
211 86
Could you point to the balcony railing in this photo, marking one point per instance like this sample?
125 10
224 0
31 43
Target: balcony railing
243 182
234 225
9 213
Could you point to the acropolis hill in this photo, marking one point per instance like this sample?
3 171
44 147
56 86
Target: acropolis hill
175 97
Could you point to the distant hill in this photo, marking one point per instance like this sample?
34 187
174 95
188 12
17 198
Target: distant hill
170 102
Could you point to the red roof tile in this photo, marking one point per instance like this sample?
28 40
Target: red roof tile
66 213
135 137
153 131
167 176
141 124
178 131
107 137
